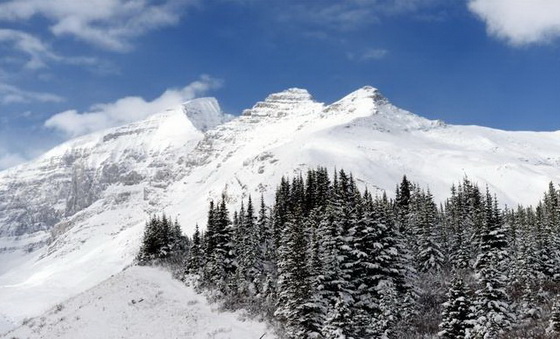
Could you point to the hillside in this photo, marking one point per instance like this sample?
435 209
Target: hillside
140 302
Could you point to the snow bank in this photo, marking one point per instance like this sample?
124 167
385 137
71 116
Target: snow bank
140 302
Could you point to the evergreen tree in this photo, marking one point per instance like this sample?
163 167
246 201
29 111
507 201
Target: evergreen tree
554 322
210 237
327 261
402 203
456 315
220 266
196 260
430 256
338 318
248 248
162 240
293 282
267 258
492 310
375 247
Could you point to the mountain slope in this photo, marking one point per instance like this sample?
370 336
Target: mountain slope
81 205
75 216
140 302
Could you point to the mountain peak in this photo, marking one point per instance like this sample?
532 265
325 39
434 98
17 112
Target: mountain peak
290 95
366 92
282 103
205 113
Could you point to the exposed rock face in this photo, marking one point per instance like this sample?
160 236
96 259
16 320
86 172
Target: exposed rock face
285 103
68 179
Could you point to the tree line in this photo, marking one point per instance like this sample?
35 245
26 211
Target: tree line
327 260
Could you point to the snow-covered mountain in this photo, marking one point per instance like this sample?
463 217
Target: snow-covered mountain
73 217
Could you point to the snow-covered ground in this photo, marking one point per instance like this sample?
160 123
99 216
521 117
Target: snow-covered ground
140 302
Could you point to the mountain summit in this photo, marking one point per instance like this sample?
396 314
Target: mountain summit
283 103
205 113
74 216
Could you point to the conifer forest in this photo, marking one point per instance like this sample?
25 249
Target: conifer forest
328 260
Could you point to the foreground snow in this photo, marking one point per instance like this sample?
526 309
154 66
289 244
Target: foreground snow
140 302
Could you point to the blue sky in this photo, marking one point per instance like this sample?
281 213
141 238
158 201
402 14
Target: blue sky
72 67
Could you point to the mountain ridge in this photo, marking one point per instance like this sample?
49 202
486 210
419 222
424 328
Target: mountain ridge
84 203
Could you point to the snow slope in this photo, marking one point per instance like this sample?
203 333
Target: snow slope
140 302
75 216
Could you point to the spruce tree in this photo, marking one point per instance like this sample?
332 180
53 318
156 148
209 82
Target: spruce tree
247 249
196 259
162 240
293 282
492 309
220 266
338 319
554 322
456 315
430 256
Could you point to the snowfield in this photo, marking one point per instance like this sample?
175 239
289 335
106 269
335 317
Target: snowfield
140 302
73 217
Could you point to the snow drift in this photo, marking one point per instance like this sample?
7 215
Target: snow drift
73 217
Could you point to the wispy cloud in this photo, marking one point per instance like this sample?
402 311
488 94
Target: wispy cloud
369 54
36 53
100 116
27 44
10 94
21 51
519 22
350 14
110 24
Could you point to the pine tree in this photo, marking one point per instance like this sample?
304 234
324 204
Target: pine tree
554 322
456 315
267 257
492 310
336 252
384 324
430 256
247 249
375 249
162 240
151 241
329 262
220 266
196 260
338 318
402 203
293 283
335 291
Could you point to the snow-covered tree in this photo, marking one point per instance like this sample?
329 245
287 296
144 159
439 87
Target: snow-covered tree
492 309
457 314
162 239
554 322
195 259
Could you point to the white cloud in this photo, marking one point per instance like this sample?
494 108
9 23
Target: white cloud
369 54
33 54
125 110
520 22
10 94
349 14
110 24
27 44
